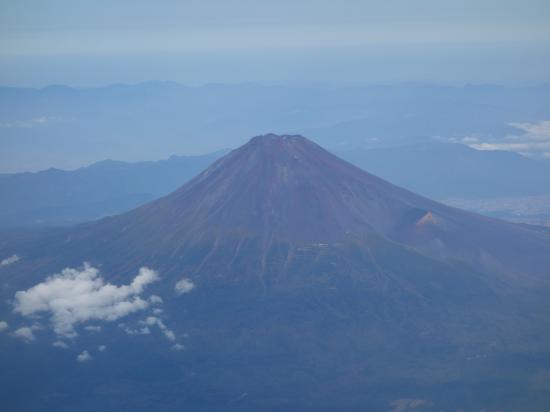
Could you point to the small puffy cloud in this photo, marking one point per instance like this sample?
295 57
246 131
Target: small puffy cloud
404 405
153 320
76 296
136 331
184 286
157 311
102 348
3 325
9 260
532 139
178 346
60 344
25 333
84 356
92 328
170 335
155 300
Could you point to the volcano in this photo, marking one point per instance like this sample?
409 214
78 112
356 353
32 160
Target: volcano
281 200
319 286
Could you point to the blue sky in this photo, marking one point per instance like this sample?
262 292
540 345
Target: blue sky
87 43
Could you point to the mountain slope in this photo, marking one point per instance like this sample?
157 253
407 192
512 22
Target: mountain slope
317 286
286 193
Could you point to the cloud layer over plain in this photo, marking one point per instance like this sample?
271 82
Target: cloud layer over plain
534 140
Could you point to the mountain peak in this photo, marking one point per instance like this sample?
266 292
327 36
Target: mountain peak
282 188
283 138
270 158
274 141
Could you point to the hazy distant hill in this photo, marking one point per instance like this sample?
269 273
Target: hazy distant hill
67 127
442 170
59 197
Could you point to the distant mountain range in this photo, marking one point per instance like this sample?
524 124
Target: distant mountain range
437 170
71 127
59 197
444 170
279 270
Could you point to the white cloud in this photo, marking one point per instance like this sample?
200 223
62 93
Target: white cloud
139 331
170 335
469 139
184 286
526 147
3 325
76 296
145 330
84 356
25 333
157 311
153 320
102 348
533 140
60 344
92 328
31 123
403 405
536 131
178 346
155 300
9 260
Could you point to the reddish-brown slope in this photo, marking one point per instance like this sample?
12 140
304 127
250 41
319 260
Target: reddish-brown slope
288 189
269 204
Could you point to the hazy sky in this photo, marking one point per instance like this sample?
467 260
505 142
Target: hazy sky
285 41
